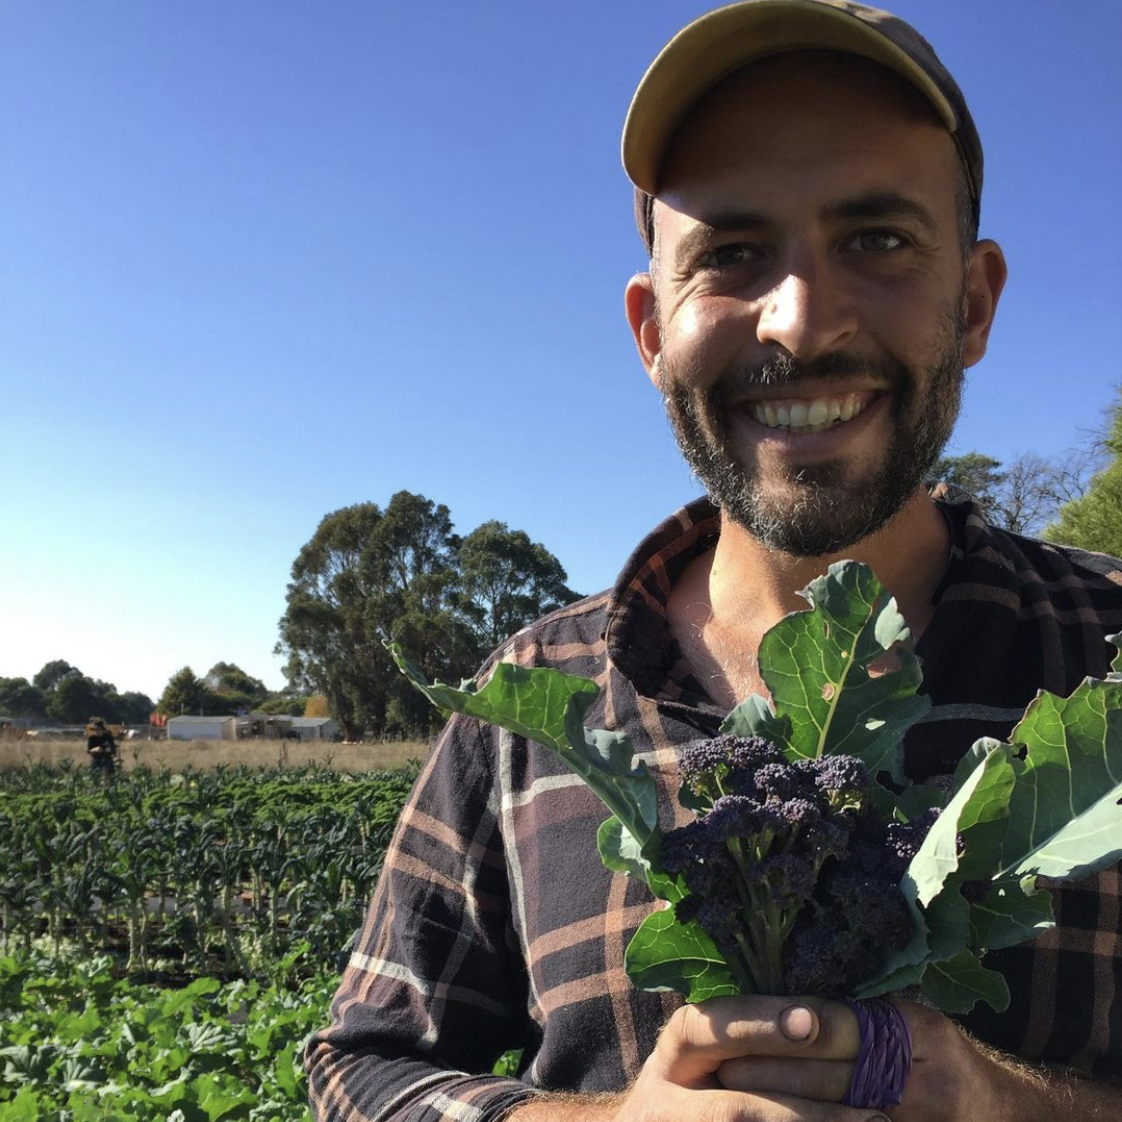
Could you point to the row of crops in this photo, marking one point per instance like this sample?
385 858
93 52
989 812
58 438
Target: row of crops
167 941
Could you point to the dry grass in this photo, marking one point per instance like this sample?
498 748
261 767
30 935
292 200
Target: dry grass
204 755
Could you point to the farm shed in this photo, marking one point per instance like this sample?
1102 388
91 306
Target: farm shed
315 728
201 728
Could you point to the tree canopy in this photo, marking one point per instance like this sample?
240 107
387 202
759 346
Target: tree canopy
19 698
369 574
61 692
1094 520
1025 496
184 693
230 685
506 581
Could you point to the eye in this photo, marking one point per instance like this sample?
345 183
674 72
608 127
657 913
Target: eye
876 241
729 256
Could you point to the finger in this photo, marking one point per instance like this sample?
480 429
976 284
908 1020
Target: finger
731 1106
697 1038
822 1080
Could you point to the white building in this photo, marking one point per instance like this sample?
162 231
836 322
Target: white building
202 728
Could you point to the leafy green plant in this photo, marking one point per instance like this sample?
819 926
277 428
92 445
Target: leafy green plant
77 1043
193 874
842 682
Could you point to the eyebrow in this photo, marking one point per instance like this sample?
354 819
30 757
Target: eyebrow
880 206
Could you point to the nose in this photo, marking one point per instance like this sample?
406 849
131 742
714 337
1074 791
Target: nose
806 314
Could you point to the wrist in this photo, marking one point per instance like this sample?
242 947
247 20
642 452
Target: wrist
565 1108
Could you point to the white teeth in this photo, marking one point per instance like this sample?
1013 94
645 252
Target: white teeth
809 416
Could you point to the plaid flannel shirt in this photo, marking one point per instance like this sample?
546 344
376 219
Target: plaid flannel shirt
495 925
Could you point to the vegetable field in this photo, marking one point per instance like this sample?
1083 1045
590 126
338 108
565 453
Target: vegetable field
167 941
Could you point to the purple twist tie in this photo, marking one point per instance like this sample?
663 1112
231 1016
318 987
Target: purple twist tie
885 1056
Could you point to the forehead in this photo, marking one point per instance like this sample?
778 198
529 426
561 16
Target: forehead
795 123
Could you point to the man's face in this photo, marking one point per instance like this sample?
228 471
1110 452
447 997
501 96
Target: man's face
809 298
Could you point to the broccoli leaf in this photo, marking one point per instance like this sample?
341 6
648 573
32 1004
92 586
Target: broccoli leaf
957 984
528 702
1066 809
904 967
1116 664
548 707
620 852
942 931
667 955
1009 915
979 809
915 800
753 717
816 665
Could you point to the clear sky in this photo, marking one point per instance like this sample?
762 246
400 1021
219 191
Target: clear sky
265 259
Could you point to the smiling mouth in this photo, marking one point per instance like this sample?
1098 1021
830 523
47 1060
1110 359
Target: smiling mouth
809 415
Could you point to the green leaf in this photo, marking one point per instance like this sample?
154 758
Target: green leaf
947 921
509 1063
904 967
619 850
915 800
941 931
816 665
530 702
974 755
27 1106
548 707
288 1071
1009 915
667 955
1066 809
981 804
754 717
603 760
957 984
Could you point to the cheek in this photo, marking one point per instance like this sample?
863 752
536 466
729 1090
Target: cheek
706 336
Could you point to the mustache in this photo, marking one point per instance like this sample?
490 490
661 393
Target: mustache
785 370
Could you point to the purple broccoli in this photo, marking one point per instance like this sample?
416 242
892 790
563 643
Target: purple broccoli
788 868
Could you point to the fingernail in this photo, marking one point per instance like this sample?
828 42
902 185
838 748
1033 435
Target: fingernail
796 1023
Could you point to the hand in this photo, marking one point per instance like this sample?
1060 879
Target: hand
951 1080
750 1059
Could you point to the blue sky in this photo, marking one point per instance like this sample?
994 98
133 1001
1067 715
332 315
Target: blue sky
263 260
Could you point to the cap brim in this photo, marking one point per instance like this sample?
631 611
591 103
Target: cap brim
721 42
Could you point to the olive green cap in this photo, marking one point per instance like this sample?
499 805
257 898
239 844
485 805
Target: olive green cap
722 41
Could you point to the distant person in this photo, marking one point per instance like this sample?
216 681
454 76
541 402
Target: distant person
102 748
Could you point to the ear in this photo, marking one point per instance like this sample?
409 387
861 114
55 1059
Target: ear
985 278
639 303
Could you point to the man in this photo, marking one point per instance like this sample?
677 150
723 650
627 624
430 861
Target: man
808 183
102 748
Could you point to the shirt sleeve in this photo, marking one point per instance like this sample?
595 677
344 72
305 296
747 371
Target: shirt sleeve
435 990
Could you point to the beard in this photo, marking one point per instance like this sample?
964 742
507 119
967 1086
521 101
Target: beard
823 508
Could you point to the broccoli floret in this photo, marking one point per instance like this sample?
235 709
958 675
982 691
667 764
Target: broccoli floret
726 764
789 871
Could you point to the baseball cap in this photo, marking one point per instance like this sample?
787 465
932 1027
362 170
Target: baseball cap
722 41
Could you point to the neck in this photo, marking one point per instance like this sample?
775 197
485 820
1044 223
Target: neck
909 555
728 599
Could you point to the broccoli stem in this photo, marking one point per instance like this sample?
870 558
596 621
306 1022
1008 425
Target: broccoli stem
761 944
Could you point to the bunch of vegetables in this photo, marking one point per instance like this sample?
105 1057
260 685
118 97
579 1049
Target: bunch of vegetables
814 866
